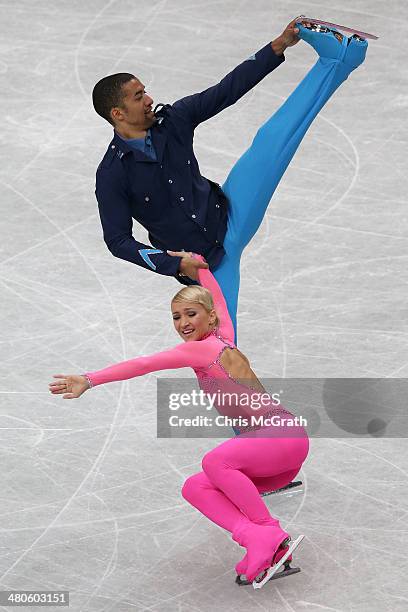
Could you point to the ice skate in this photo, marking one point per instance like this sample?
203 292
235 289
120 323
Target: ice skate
324 26
272 573
332 44
262 543
241 568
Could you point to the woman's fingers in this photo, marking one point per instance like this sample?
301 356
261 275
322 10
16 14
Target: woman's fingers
60 386
180 253
64 393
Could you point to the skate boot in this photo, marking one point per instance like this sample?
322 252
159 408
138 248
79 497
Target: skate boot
241 566
262 543
332 44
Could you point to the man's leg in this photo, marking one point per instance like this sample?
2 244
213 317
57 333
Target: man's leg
227 275
255 176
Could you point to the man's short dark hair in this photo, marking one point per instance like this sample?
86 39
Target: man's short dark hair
108 93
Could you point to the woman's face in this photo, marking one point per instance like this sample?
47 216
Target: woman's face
192 321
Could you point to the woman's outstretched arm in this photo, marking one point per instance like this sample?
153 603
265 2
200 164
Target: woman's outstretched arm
207 280
188 354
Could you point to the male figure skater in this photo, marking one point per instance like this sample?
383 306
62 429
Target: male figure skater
149 172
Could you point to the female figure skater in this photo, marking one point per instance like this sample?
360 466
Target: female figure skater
258 459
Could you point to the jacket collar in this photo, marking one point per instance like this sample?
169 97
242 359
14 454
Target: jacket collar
120 144
159 137
123 148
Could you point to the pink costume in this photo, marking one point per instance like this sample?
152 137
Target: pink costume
234 474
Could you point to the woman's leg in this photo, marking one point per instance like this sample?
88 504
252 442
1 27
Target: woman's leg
200 492
236 492
227 492
236 471
273 483
254 178
236 465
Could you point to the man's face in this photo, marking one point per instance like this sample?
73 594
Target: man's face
136 107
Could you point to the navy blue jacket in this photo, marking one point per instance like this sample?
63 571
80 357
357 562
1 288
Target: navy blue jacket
181 209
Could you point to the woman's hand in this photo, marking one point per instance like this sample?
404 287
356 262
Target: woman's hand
72 386
189 264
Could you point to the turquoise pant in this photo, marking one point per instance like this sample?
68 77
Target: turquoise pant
255 176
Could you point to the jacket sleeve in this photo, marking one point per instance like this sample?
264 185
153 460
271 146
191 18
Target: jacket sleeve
117 222
207 280
201 106
188 354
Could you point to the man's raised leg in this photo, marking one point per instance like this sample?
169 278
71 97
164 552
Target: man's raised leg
255 176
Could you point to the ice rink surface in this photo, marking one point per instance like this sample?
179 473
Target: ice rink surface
91 499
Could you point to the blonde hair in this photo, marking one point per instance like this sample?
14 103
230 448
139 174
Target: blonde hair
197 295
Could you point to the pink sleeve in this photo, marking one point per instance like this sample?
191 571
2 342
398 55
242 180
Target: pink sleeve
207 280
189 354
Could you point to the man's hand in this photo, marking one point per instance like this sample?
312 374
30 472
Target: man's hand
188 265
288 38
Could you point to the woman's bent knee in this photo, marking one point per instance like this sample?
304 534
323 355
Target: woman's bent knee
190 487
211 460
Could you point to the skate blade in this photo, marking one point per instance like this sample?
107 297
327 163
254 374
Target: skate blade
285 572
274 568
291 485
341 27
